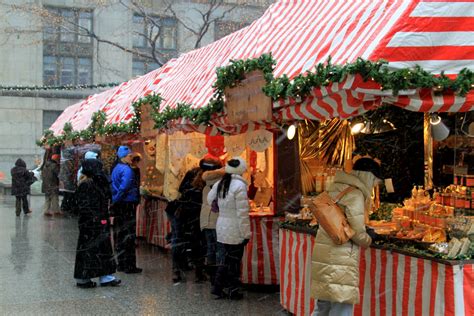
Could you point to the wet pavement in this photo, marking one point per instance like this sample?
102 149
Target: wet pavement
36 276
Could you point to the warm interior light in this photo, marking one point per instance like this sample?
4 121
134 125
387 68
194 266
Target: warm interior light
439 131
291 132
357 128
435 119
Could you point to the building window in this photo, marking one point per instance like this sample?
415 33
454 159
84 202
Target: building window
164 29
49 117
67 50
142 67
67 70
224 28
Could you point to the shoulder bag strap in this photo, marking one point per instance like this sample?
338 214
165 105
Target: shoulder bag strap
342 193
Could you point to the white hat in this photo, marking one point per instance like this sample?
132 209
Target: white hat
236 166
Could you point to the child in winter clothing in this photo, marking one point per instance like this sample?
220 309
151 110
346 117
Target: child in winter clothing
22 179
232 227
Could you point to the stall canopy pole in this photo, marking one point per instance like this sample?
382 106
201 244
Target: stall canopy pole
428 152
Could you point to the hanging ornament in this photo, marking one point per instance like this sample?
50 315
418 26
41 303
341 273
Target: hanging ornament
259 140
235 144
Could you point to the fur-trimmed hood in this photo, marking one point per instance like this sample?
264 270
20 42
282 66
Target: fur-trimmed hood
213 176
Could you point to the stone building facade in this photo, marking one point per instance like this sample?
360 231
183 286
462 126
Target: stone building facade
39 50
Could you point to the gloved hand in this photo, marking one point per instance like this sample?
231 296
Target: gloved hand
371 233
245 242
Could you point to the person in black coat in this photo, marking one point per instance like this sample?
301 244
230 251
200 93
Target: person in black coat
186 232
94 255
22 179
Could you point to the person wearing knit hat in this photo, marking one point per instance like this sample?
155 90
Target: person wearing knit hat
123 151
125 199
232 227
87 155
50 186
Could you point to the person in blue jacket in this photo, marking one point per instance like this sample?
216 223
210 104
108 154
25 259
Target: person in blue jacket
125 198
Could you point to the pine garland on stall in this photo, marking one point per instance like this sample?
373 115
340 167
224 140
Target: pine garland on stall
299 87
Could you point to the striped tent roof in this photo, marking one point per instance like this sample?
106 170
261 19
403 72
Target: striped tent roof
437 35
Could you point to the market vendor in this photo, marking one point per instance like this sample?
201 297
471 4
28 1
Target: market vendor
335 268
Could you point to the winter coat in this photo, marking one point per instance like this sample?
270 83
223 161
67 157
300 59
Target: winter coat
233 223
68 169
124 184
208 218
189 203
22 179
335 268
50 178
94 256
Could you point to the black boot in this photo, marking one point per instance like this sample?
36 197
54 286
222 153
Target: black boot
177 276
211 272
200 276
235 294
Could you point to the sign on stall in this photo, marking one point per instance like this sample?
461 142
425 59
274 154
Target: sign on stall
246 102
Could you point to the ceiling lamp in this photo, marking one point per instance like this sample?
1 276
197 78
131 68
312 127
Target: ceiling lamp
358 124
357 128
439 130
291 131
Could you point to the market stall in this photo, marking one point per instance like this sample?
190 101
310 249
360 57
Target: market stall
192 93
168 157
391 282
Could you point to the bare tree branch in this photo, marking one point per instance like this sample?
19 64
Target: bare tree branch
210 12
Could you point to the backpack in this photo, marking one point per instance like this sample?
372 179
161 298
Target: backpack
331 217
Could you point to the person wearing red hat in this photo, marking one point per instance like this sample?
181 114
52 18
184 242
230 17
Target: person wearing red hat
50 186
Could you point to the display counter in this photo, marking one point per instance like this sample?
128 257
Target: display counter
391 282
261 260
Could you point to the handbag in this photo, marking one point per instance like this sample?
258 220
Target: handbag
331 217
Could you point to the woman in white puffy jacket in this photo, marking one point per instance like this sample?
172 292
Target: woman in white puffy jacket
233 226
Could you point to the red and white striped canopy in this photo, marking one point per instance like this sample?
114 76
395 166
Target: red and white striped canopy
437 35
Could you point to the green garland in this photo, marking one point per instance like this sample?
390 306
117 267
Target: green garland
327 73
300 87
98 126
232 74
154 100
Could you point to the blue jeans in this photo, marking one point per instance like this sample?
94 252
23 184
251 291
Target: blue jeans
214 250
326 308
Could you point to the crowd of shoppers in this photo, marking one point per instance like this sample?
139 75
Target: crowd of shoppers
210 220
210 224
